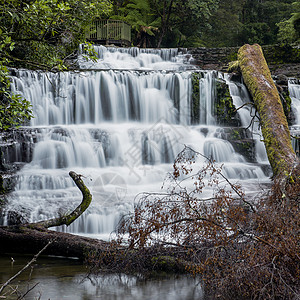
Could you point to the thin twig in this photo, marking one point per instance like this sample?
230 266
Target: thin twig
225 178
245 104
28 290
24 268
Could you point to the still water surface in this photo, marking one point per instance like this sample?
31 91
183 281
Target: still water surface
61 278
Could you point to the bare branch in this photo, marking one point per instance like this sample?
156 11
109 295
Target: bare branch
245 104
77 212
25 267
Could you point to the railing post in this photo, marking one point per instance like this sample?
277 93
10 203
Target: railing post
105 30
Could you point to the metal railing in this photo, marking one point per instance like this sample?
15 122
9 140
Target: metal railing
109 30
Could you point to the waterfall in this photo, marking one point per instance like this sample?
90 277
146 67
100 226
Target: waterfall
119 122
207 95
135 58
294 90
242 101
94 97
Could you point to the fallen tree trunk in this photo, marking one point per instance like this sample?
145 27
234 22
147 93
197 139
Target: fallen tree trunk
79 210
274 126
28 238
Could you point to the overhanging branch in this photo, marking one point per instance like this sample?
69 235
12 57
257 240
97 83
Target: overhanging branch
77 212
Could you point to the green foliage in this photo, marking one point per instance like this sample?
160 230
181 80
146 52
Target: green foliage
259 20
224 25
213 23
289 29
45 32
39 34
256 33
165 23
138 13
196 97
224 107
238 22
14 110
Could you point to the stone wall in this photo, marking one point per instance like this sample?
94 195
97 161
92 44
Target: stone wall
281 59
213 58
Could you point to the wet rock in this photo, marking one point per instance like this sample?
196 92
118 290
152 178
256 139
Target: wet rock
15 218
241 140
225 110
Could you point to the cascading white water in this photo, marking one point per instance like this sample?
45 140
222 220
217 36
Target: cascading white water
136 59
119 129
242 101
294 90
95 97
207 95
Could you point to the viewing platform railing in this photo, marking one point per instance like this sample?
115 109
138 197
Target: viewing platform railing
109 32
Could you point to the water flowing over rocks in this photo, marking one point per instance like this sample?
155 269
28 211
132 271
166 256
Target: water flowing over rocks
120 122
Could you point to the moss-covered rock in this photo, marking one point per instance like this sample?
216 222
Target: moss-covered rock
195 111
224 108
8 181
241 140
281 82
281 54
281 59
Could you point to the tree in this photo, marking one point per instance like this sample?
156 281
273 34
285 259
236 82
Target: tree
45 32
14 110
138 14
225 25
289 29
38 34
190 19
275 130
162 22
247 21
259 20
241 249
183 19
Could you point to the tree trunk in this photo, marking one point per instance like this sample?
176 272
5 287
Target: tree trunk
273 122
28 238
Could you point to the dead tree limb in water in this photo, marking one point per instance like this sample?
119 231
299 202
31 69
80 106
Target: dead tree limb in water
27 238
274 125
70 218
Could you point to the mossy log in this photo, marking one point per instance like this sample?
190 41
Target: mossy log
274 126
28 238
79 210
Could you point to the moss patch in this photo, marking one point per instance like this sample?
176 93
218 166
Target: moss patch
276 54
224 108
195 112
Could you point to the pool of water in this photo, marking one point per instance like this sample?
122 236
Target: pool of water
61 278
